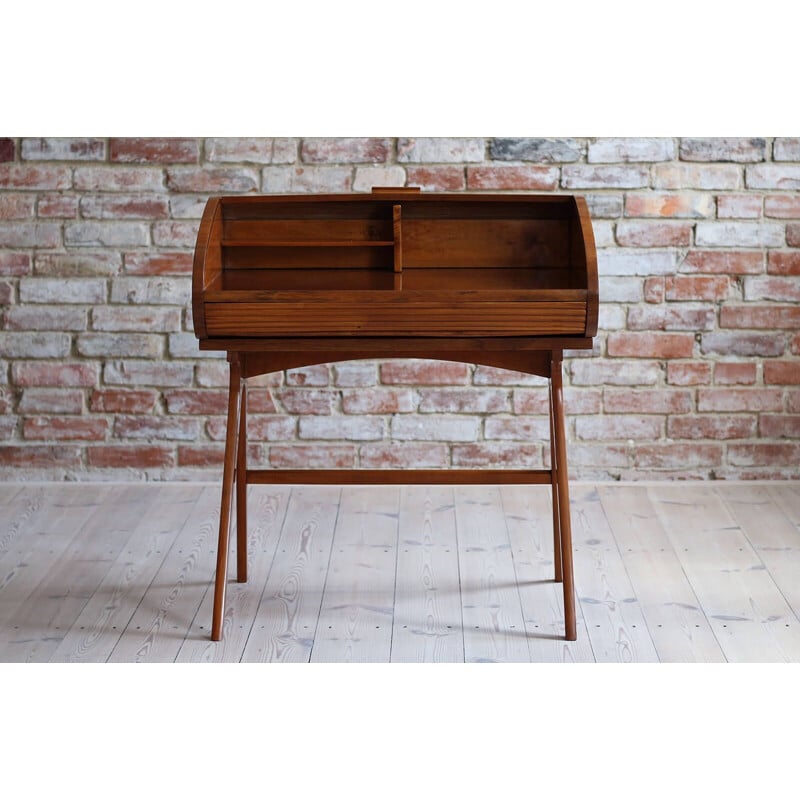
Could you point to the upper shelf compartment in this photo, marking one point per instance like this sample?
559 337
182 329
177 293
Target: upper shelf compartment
395 260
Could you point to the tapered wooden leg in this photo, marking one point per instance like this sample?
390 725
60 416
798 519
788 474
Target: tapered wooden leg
563 499
229 467
554 485
241 490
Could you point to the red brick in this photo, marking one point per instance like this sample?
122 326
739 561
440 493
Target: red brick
654 290
130 456
45 318
647 401
738 206
306 401
24 176
317 456
513 177
201 455
424 373
153 151
783 263
437 179
651 345
196 401
782 206
764 454
123 401
793 401
696 287
260 401
671 318
678 456
124 206
115 179
90 428
404 455
6 149
771 288
727 262
517 428
175 234
794 345
576 401
6 296
58 205
779 426
734 373
782 373
496 454
735 343
461 401
51 401
739 400
654 234
39 456
217 179
158 263
145 427
669 204
378 401
270 428
716 426
14 263
344 150
793 234
757 316
16 206
44 374
316 375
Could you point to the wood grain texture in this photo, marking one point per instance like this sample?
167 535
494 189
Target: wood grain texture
494 628
427 607
288 610
528 517
750 617
355 621
615 623
676 622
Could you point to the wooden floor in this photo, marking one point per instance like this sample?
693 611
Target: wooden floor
679 572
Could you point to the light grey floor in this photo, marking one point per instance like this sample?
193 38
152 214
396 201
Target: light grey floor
664 572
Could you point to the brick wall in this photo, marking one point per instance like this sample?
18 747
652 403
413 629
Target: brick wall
695 372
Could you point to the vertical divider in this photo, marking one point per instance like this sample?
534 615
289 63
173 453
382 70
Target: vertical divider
397 215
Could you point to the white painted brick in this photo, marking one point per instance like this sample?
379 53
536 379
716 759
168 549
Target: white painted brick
530 429
115 345
62 290
30 234
583 176
351 428
436 428
786 149
34 345
187 206
605 151
185 345
440 150
45 318
636 262
773 176
356 373
108 234
616 372
148 373
255 151
367 177
63 149
285 180
697 176
626 289
603 233
158 291
611 317
722 148
740 234
77 264
112 179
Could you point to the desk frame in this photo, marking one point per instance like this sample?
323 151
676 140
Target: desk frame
250 358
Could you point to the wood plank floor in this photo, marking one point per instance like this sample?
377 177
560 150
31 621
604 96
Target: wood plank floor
671 572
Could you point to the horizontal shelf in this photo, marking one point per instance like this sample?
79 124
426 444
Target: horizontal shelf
384 477
308 243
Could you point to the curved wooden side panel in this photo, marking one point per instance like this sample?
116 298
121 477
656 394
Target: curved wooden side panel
207 264
587 255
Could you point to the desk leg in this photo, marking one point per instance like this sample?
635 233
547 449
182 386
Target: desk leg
231 437
559 575
563 498
241 490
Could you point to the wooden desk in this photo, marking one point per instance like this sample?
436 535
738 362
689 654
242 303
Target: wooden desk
281 281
